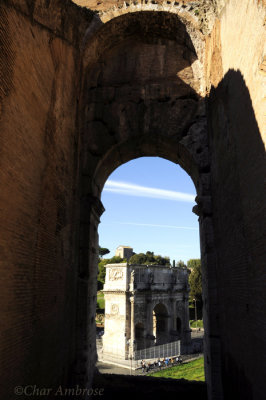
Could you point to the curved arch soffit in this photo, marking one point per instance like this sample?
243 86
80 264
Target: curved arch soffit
161 24
200 14
102 36
161 309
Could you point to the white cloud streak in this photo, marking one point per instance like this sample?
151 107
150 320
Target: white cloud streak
156 225
130 189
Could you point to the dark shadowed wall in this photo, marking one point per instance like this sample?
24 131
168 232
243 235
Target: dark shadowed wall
237 147
39 66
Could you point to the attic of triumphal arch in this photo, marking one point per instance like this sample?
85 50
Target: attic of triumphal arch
86 86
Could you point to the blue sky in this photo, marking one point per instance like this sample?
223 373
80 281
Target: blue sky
148 203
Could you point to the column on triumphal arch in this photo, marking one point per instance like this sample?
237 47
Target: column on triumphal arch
172 319
150 337
139 321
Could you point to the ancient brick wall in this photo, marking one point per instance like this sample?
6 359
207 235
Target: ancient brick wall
39 65
237 137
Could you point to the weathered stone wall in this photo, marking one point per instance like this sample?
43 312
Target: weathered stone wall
39 65
198 6
142 82
107 4
237 138
201 13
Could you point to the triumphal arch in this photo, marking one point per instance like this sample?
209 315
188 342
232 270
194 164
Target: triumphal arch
145 305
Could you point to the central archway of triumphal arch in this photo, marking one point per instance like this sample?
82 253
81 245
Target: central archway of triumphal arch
142 95
160 320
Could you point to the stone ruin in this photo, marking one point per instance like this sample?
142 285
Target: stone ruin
86 89
145 305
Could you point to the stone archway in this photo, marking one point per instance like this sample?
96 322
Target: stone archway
142 95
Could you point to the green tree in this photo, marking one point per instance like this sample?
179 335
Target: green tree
194 262
139 258
195 280
149 258
180 264
103 251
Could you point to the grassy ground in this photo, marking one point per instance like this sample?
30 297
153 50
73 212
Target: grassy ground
194 325
192 371
100 300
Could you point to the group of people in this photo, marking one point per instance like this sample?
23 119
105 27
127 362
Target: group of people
165 362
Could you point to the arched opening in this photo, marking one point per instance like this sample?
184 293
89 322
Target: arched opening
160 324
146 218
148 105
148 204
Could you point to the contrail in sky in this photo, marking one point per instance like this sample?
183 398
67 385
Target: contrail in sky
156 225
131 189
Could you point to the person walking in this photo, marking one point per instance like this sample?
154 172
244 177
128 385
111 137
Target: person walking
143 365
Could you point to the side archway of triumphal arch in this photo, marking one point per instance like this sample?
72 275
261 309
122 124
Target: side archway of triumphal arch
142 95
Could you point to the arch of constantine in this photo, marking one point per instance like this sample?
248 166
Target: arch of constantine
85 86
145 305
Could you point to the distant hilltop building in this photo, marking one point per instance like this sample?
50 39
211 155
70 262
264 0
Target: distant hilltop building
124 252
